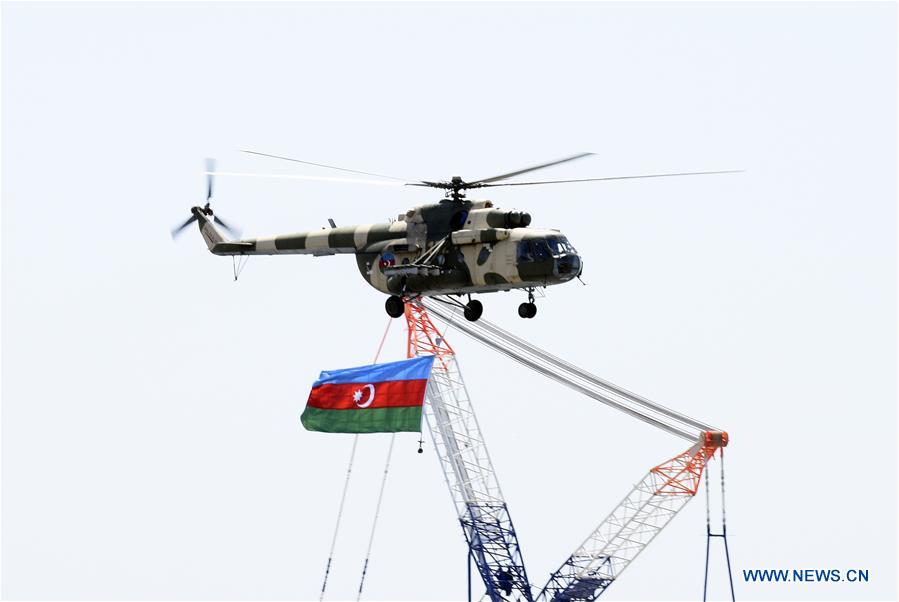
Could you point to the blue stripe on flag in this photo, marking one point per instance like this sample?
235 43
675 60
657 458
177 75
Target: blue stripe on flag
418 368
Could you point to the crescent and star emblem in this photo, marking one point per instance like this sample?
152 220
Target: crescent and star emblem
358 394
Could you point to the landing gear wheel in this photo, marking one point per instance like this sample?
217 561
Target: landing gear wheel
395 306
473 310
527 310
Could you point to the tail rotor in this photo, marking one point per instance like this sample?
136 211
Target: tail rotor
206 209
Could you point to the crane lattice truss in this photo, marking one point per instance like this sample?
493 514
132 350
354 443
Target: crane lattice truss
472 481
629 528
466 465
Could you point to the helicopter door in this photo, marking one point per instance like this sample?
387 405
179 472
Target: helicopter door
499 266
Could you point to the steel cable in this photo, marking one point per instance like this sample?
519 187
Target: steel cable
574 377
346 486
533 349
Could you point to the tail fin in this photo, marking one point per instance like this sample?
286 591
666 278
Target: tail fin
210 233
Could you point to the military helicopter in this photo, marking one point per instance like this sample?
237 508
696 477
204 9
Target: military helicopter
452 248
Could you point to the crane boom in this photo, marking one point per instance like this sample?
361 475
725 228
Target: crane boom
467 468
630 527
638 518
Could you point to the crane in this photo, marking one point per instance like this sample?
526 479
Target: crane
467 468
470 476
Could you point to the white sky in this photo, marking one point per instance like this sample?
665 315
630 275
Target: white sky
151 441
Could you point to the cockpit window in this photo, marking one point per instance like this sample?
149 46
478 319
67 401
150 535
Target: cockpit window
559 245
543 249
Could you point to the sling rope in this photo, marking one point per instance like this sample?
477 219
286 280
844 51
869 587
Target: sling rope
346 483
570 375
710 535
346 486
374 523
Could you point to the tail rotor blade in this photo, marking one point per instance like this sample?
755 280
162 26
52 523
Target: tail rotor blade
234 232
210 171
178 229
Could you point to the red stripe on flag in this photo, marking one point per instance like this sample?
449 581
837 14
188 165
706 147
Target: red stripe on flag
352 396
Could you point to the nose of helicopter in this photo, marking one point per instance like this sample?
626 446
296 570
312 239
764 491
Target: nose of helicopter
569 266
548 257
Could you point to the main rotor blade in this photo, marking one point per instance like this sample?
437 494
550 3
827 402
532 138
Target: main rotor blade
177 230
314 178
530 169
653 175
364 173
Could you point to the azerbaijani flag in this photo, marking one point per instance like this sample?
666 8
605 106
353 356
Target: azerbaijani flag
380 398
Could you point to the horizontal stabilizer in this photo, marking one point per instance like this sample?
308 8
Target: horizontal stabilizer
232 247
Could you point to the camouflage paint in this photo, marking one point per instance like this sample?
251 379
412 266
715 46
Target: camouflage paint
480 251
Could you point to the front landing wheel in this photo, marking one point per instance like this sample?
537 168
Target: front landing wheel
395 306
473 310
527 310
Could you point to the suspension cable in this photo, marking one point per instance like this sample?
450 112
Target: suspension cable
730 576
574 377
374 523
553 369
710 534
537 351
346 483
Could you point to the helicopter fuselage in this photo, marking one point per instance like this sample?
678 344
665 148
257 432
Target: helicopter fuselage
453 247
474 262
448 248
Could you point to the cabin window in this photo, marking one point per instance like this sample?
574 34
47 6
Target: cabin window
525 251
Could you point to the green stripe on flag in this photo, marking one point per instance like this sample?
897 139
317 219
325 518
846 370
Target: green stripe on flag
375 420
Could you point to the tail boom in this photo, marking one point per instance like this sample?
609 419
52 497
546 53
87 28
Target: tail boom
327 241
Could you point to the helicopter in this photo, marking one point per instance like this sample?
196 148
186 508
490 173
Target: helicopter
455 247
